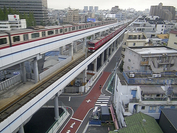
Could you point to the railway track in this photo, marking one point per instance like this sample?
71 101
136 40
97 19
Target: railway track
19 102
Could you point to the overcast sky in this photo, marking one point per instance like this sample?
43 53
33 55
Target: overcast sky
107 4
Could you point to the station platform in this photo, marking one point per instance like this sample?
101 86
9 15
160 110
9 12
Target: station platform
11 94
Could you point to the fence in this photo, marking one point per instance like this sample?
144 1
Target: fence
56 125
54 68
167 78
10 82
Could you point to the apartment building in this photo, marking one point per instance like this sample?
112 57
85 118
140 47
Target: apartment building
134 39
72 16
138 92
156 59
164 12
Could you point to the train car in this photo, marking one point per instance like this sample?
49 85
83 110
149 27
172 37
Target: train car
98 42
22 36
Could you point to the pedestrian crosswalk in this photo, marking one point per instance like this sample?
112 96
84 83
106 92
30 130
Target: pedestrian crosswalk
102 101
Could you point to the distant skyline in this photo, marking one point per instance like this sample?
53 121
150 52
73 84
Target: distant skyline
108 4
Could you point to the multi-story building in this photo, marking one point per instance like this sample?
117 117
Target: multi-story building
156 59
86 8
72 16
134 39
91 8
37 7
141 92
164 12
115 9
172 43
13 23
95 8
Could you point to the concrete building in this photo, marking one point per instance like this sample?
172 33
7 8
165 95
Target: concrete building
72 16
134 39
13 23
86 8
95 8
91 8
37 7
172 43
155 59
115 9
142 93
164 12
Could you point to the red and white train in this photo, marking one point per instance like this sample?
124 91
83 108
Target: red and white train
19 37
98 42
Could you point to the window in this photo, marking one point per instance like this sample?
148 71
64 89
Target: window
43 34
65 29
175 43
3 41
79 27
73 28
61 30
134 44
50 32
34 35
16 38
157 95
25 37
56 31
142 107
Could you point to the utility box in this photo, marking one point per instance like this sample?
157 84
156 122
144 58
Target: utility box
105 115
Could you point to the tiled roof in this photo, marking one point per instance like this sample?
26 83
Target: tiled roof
140 123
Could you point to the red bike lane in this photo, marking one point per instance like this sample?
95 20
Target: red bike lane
86 105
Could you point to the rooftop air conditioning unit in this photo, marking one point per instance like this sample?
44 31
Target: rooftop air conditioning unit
132 75
154 75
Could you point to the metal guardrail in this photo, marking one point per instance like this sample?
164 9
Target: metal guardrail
10 82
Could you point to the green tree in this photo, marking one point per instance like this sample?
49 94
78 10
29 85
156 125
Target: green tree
5 11
11 10
1 14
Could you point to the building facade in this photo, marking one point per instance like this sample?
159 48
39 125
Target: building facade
37 7
164 12
155 59
95 8
91 8
86 8
172 43
141 96
13 23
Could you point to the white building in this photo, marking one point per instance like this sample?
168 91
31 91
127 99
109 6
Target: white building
137 95
156 59
14 22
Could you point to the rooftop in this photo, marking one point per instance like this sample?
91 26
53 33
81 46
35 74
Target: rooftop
171 116
140 123
153 50
152 90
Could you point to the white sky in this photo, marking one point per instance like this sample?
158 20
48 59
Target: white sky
107 4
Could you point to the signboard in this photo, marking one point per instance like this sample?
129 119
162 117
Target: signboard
91 20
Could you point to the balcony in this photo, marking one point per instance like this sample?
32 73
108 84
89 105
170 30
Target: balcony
154 98
134 100
144 63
